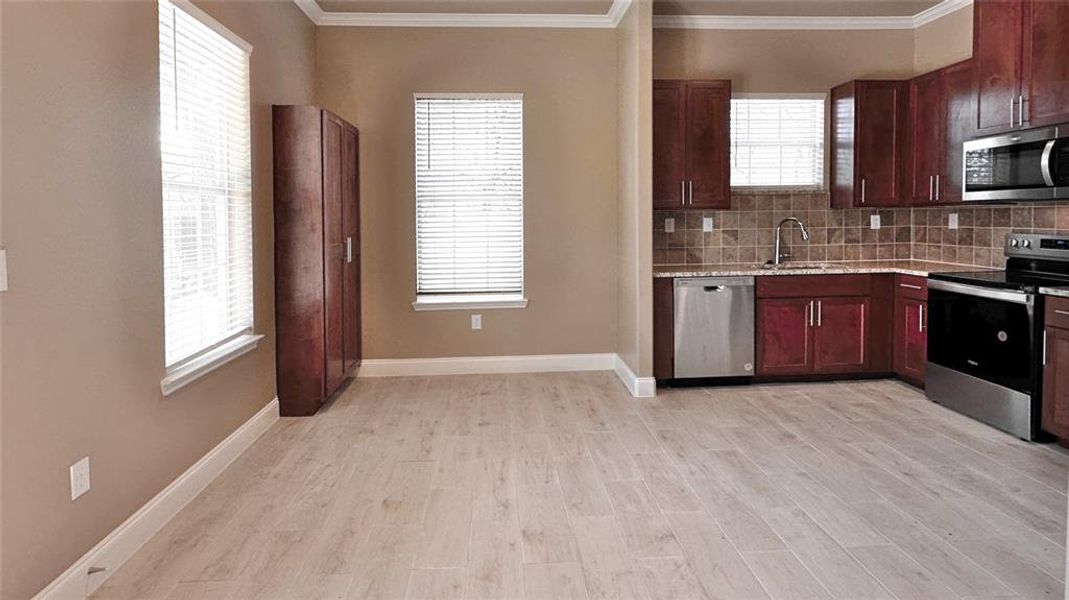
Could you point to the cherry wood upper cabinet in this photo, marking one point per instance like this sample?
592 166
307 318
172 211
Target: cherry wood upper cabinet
1021 52
691 144
960 125
1045 63
669 144
927 98
870 143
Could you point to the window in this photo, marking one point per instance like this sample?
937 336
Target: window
207 186
777 141
469 200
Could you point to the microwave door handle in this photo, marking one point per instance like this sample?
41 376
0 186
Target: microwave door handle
1044 163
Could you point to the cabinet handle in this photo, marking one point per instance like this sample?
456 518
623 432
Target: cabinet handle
1012 101
937 187
1044 347
931 179
819 311
690 194
810 313
910 286
862 190
920 318
1062 312
349 249
682 192
1020 110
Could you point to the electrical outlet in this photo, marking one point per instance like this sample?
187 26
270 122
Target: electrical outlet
707 224
79 478
476 321
952 221
669 225
874 222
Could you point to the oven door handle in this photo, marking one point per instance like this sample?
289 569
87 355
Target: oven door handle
980 292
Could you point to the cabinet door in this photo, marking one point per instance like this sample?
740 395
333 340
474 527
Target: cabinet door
1045 62
879 146
669 143
960 125
928 107
351 229
997 43
783 336
1055 418
840 335
334 252
663 328
708 144
914 339
843 135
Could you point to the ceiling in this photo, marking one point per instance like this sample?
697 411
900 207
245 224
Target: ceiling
525 7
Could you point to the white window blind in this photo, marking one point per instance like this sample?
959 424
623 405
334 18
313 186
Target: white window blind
207 185
777 141
469 195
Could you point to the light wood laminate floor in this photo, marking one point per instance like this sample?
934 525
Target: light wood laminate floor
563 486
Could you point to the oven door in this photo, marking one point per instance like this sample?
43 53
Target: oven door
983 332
1029 165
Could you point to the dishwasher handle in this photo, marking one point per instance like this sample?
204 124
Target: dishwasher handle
714 288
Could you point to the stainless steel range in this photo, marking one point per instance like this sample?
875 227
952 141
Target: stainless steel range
985 334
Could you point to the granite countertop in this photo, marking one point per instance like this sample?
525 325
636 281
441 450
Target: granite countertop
1049 291
919 268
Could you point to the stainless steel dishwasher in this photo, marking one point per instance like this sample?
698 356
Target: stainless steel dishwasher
714 327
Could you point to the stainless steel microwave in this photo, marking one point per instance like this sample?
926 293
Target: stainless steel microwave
1018 167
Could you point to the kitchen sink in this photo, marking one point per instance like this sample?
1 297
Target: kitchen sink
800 266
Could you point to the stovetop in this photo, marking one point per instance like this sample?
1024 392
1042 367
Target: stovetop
1026 281
1032 261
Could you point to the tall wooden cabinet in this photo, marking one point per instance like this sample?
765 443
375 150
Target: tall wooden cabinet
317 255
691 144
869 143
942 111
1021 52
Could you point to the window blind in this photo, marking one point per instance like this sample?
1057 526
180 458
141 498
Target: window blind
207 185
777 142
469 194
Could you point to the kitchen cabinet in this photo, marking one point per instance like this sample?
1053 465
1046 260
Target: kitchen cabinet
817 324
942 113
663 328
1021 54
1055 414
317 255
691 144
910 334
869 143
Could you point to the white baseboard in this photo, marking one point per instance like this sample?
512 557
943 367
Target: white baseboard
119 545
640 387
480 365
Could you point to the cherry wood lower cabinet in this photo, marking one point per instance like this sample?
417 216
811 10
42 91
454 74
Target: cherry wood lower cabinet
802 333
910 328
1055 417
317 255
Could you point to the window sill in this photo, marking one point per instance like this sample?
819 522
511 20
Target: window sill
186 374
474 301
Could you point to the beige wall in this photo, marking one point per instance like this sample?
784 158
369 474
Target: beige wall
782 61
943 42
634 326
83 320
568 78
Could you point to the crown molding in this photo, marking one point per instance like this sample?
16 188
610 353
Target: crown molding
808 23
320 17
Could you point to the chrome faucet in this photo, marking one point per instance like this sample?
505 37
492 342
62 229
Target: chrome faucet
777 256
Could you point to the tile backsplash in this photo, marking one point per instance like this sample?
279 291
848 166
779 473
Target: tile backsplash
744 234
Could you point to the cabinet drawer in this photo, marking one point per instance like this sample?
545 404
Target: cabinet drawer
1057 312
911 286
803 286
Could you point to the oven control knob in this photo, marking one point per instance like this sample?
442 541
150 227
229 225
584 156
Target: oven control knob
1027 243
1014 242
